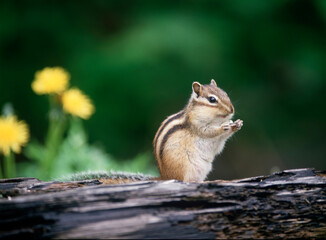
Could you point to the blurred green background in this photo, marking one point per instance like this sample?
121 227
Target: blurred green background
137 60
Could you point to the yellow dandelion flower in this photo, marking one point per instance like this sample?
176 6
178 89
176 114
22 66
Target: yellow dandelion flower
13 134
50 80
77 103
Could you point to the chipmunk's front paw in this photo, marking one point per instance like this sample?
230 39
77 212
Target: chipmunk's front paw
236 125
226 126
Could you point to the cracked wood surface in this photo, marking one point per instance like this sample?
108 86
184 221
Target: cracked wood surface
289 204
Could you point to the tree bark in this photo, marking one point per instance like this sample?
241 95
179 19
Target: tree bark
289 204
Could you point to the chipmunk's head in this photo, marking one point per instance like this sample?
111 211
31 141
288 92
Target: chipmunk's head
210 103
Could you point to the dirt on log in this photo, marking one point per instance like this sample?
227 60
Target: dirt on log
288 204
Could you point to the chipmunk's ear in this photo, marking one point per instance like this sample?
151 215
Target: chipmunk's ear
213 83
197 88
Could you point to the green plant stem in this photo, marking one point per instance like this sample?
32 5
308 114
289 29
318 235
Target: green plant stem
1 175
57 126
9 166
54 138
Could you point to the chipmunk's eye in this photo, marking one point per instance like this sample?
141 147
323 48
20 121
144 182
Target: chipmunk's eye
212 99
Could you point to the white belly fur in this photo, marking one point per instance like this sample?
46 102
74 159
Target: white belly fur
203 156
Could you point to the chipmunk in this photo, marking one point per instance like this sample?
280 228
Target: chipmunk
187 142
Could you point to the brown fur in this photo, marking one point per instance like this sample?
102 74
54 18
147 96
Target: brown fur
174 143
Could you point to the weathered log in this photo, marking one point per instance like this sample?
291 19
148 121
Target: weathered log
289 204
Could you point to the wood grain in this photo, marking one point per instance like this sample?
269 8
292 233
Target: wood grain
289 204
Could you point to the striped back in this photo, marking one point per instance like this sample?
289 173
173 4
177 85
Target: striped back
170 125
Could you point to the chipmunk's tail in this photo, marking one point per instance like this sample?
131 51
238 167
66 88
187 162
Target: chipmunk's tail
110 177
